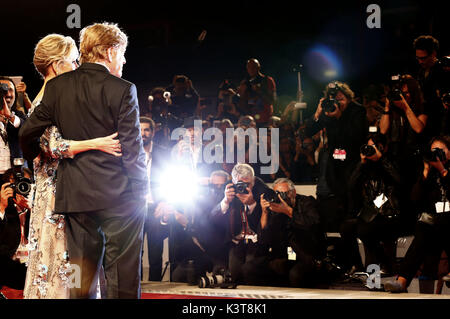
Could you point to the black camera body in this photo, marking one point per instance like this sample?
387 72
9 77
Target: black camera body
395 88
367 150
241 188
4 88
272 196
329 104
22 185
434 155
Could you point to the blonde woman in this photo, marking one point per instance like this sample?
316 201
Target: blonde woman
48 266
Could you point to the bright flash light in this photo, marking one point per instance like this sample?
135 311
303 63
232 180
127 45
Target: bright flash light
178 185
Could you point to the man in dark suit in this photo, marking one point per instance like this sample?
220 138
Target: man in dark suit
11 118
14 222
156 157
240 213
102 196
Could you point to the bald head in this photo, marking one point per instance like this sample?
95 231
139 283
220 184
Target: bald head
253 67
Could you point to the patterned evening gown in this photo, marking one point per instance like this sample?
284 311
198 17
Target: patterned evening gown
48 267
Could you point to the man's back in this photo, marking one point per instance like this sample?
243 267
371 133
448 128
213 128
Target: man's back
89 103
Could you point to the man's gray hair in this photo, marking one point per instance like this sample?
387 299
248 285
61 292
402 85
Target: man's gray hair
221 174
284 180
242 170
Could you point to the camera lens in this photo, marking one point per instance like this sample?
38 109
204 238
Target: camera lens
23 187
367 150
328 105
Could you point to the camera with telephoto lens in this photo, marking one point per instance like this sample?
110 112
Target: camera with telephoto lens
22 185
367 150
395 88
434 155
329 104
222 279
241 188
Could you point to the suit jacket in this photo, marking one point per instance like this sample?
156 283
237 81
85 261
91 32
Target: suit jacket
13 135
231 220
84 104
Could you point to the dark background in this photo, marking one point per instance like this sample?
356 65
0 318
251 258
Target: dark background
163 40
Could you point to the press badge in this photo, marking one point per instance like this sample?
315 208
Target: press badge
339 154
291 254
253 238
380 200
442 207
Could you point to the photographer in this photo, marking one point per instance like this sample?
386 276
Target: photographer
240 214
432 79
403 122
431 194
184 97
227 102
257 93
374 189
346 127
199 243
158 110
14 219
291 219
11 119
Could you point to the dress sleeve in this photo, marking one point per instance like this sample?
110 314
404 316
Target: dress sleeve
53 144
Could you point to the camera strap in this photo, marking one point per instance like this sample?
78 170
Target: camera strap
246 232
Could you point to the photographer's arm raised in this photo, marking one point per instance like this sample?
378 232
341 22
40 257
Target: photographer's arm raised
385 118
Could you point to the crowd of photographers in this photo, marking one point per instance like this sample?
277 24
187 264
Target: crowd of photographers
380 170
369 162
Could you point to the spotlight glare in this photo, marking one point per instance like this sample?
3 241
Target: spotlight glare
178 185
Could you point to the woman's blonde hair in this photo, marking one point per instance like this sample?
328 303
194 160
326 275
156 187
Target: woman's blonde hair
52 48
97 38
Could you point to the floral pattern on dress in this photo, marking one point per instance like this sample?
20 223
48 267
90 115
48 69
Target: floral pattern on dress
48 265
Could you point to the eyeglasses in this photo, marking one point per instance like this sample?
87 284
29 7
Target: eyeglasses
421 58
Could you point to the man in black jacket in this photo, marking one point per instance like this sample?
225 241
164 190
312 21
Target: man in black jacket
102 196
346 127
292 220
11 118
240 215
375 199
14 219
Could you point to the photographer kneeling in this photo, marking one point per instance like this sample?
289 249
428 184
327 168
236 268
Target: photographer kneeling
14 217
240 214
374 191
291 219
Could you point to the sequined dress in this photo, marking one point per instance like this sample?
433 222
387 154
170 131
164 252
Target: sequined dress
48 274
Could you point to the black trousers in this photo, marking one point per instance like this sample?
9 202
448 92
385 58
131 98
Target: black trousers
12 273
381 229
427 246
112 237
156 234
242 259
